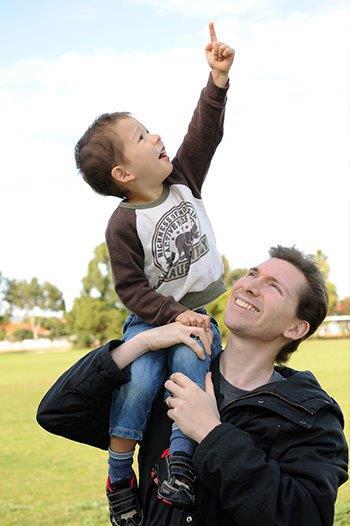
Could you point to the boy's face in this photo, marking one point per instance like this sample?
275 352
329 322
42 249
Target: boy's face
145 154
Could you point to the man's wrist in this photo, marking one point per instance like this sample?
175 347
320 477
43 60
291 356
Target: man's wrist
202 433
220 79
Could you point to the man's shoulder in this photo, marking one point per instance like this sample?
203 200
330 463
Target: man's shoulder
302 388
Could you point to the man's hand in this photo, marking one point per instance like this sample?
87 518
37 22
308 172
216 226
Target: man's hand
220 58
195 411
195 319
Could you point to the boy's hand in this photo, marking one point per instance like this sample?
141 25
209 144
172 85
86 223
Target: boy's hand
220 57
165 336
194 319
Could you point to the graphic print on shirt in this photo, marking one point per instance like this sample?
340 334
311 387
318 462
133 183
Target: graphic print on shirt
177 242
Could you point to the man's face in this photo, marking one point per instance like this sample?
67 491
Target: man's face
263 303
145 154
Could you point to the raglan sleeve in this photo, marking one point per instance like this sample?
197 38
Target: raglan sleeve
127 263
204 133
299 487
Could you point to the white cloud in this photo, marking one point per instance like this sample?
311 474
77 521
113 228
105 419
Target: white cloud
256 9
280 175
208 7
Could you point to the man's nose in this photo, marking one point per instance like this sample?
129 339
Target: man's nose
253 287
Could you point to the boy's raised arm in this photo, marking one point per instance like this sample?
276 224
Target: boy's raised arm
205 131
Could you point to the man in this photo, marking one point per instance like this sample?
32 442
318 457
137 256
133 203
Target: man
271 450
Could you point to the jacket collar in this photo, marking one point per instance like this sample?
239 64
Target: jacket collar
299 389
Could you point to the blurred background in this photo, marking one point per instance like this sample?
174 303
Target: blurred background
280 175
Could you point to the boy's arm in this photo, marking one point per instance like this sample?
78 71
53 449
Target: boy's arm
205 131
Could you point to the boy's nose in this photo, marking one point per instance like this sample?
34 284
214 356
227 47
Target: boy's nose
155 138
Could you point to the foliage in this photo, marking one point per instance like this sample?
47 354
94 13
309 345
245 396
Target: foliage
97 315
4 313
21 334
58 327
98 282
322 261
216 310
231 275
34 298
92 321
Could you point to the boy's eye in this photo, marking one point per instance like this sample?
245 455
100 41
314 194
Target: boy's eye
141 138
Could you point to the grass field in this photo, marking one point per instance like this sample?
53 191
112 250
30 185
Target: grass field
46 480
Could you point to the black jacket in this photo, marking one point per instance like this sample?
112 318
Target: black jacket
277 458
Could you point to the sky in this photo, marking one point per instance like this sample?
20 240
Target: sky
280 175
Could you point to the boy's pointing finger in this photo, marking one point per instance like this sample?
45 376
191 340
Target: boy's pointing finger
213 37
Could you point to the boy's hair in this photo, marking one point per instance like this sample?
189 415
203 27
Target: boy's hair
313 303
98 151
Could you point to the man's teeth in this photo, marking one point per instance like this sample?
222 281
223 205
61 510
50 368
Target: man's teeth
245 305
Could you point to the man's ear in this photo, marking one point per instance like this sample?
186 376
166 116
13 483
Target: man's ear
298 330
120 175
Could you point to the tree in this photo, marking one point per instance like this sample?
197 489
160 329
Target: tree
98 314
4 307
217 307
322 262
34 300
216 310
98 282
230 276
93 322
57 327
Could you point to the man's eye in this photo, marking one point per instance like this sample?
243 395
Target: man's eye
275 286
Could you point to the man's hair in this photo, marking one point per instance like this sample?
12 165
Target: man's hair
313 302
98 151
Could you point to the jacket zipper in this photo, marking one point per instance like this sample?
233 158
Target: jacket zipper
270 393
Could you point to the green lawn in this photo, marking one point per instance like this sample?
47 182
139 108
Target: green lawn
46 480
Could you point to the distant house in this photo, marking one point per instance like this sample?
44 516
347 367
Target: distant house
13 326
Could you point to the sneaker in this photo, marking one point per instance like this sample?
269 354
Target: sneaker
124 507
174 477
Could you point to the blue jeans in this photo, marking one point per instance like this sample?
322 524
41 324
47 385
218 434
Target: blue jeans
131 404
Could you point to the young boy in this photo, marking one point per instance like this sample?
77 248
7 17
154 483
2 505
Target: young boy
165 267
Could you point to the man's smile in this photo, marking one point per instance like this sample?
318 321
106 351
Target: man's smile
245 305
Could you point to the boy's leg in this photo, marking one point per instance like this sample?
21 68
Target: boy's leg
132 403
174 472
130 408
182 359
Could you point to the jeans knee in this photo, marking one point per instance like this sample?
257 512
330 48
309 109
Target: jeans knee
184 360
